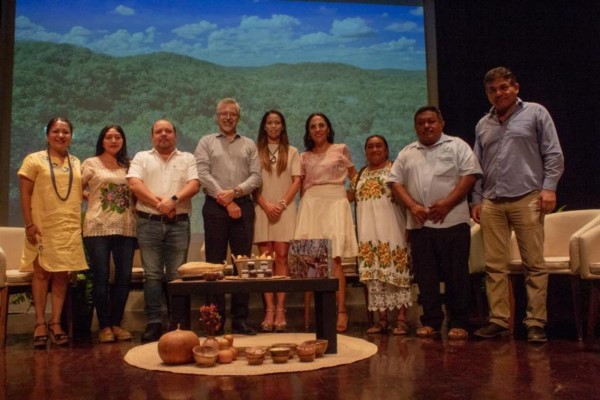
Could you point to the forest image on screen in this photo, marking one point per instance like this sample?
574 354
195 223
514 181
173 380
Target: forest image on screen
131 63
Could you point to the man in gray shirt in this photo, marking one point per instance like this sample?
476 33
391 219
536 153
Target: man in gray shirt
229 171
522 161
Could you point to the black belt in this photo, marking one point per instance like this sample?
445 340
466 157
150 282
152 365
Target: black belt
515 198
163 218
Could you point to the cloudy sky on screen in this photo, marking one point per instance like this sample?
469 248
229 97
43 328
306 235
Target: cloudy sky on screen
235 32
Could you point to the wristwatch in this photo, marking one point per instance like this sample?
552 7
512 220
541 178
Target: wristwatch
174 198
236 193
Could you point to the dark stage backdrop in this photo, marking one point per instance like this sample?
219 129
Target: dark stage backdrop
553 48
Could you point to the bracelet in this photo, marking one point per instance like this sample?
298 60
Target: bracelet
283 203
27 226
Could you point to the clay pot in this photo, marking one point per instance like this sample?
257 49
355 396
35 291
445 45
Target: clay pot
280 354
291 346
211 341
225 356
234 351
176 347
229 339
223 343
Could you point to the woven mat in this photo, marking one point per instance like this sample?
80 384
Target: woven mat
350 350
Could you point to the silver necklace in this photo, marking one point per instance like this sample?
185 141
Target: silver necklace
273 155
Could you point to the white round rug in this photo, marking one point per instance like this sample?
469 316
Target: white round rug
350 349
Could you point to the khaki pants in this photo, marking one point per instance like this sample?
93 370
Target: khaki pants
498 219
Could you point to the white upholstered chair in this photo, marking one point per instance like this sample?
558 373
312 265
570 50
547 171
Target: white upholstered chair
559 230
11 242
585 248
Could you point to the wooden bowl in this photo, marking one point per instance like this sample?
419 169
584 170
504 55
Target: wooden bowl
291 346
205 356
255 355
306 352
280 355
320 346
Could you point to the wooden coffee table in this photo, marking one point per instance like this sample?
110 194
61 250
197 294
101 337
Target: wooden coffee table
323 288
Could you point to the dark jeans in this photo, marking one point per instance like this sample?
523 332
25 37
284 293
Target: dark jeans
163 249
442 255
221 230
110 299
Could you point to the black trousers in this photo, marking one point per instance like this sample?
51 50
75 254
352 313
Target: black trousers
442 255
220 230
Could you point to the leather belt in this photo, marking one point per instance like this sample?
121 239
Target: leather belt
505 199
163 218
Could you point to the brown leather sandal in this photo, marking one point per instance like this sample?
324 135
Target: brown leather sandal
426 332
57 338
40 340
401 328
458 334
382 326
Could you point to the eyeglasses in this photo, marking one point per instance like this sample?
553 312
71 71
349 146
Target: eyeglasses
227 114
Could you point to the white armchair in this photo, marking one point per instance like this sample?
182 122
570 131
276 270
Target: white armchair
560 230
588 267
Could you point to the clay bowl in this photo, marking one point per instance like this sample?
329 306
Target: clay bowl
320 346
306 352
205 356
255 355
280 355
291 346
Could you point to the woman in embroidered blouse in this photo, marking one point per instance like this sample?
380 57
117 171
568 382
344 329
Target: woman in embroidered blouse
383 259
324 209
275 209
50 186
109 228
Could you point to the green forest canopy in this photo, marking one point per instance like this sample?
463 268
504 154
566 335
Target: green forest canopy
94 90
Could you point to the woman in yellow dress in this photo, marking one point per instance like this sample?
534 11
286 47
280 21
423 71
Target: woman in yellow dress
51 195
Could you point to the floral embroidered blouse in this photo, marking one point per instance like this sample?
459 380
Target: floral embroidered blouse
110 209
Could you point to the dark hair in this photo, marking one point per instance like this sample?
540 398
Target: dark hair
499 73
383 139
429 108
263 144
309 144
55 120
163 119
122 156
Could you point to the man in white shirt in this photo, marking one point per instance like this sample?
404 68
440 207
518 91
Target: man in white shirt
432 178
163 180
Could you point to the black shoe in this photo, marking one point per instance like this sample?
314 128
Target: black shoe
241 327
153 332
536 334
491 330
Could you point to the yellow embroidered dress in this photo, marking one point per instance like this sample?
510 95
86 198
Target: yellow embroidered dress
384 263
60 248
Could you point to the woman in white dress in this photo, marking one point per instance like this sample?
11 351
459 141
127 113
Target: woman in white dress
324 209
275 209
384 264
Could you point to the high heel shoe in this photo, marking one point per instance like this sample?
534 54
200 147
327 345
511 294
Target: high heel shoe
280 323
40 340
342 322
57 338
267 324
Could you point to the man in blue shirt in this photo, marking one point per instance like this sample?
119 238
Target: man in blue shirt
522 161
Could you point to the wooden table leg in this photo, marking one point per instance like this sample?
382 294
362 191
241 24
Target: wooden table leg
326 318
180 312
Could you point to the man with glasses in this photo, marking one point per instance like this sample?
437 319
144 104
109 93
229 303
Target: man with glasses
522 161
229 170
